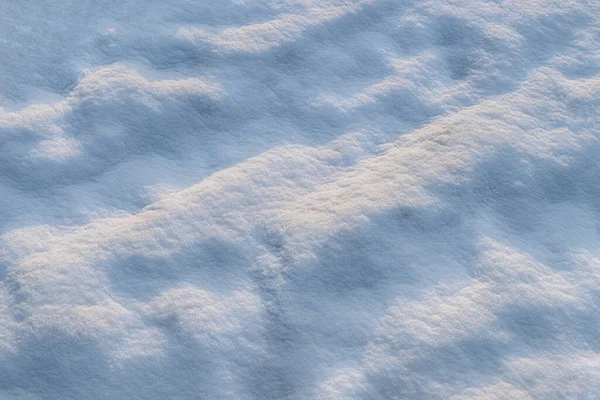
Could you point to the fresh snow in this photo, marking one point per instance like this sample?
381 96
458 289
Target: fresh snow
300 199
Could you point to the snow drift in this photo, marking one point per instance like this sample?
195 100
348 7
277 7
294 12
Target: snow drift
299 199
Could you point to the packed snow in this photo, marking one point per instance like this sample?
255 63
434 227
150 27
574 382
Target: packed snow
300 199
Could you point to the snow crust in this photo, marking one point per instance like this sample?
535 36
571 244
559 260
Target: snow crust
300 199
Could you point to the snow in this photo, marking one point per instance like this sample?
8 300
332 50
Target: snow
300 199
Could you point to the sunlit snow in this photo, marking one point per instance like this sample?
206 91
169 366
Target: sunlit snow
299 199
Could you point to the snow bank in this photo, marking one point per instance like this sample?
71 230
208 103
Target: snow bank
299 199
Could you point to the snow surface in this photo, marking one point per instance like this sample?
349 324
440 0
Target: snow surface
299 199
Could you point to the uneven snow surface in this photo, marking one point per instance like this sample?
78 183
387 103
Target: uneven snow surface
299 199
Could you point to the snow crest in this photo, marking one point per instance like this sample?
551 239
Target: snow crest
341 199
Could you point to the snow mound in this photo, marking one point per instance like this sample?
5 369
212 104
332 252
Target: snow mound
367 199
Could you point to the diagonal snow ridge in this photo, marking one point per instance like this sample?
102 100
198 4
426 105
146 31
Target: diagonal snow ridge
299 199
286 27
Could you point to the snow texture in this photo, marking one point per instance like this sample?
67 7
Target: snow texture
299 199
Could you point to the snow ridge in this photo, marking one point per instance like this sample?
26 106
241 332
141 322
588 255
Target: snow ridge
299 199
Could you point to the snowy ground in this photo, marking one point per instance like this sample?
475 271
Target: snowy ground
299 199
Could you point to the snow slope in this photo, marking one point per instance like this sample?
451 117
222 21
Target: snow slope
300 199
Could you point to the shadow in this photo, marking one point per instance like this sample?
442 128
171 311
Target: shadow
58 365
214 264
322 313
546 209
440 371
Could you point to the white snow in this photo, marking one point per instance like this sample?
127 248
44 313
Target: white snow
300 199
